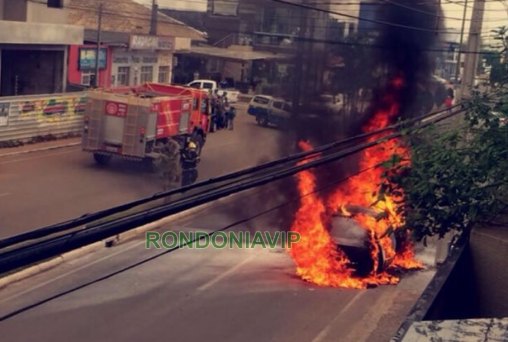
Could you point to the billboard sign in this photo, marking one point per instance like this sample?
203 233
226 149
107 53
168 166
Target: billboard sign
87 58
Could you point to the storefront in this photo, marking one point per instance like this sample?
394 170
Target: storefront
28 70
82 69
147 59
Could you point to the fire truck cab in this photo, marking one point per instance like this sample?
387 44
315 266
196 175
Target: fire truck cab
134 122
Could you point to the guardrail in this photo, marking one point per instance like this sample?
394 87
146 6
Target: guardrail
23 118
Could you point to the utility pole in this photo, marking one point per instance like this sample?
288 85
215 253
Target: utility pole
473 48
97 52
153 21
457 70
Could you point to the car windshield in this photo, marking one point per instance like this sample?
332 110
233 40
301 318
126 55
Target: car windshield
261 100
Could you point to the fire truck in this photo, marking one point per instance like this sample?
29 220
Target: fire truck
137 122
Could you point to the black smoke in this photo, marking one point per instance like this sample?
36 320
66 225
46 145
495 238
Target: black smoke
402 43
408 44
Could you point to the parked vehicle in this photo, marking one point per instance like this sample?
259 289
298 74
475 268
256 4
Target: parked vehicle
137 122
210 85
269 110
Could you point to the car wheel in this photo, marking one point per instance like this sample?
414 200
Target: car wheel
102 159
262 120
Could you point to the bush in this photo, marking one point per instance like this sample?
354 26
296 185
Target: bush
457 177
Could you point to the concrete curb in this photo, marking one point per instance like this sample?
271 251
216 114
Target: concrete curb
49 148
116 240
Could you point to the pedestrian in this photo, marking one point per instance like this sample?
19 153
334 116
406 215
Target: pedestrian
448 103
214 108
221 112
230 117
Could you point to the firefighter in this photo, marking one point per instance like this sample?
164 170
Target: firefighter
189 161
169 165
189 157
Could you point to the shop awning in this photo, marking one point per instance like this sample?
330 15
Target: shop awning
241 55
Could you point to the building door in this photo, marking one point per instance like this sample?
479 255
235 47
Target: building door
27 72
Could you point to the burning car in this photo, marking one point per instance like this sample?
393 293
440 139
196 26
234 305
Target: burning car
365 252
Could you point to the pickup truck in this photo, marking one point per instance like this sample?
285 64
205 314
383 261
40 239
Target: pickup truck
207 85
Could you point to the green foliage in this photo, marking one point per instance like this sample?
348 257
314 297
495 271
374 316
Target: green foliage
456 177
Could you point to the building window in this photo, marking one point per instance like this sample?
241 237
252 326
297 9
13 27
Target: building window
164 74
146 74
55 3
123 76
86 77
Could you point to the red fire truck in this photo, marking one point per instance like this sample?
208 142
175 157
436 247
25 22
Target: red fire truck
135 122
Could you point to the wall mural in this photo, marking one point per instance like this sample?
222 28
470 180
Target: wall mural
51 109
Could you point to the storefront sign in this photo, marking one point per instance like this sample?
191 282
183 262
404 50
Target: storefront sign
138 42
87 58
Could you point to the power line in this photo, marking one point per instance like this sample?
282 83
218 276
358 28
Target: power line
181 245
311 8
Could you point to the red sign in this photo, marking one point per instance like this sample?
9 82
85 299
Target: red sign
116 109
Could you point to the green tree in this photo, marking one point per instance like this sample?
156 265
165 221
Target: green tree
458 173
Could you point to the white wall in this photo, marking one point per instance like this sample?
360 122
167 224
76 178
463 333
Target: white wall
136 59
182 43
182 5
12 32
41 13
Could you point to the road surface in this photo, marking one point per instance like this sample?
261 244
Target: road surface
198 295
130 293
43 188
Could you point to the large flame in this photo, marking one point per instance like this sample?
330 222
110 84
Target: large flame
317 257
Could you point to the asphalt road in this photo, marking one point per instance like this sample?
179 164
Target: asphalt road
198 295
185 295
43 188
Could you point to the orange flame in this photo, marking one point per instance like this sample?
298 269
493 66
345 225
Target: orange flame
317 257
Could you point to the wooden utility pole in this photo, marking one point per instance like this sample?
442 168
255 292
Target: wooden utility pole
97 52
153 21
473 49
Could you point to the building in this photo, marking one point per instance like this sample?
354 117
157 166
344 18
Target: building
34 45
129 54
266 33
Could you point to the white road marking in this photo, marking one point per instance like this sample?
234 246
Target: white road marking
35 158
224 275
52 280
5 194
322 335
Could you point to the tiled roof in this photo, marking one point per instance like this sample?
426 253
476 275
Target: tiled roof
127 16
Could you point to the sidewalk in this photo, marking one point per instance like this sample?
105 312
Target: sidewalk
40 146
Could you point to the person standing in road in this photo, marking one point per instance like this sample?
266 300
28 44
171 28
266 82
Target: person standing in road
230 117
215 109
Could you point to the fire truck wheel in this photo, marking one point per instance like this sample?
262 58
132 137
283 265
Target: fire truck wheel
102 159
